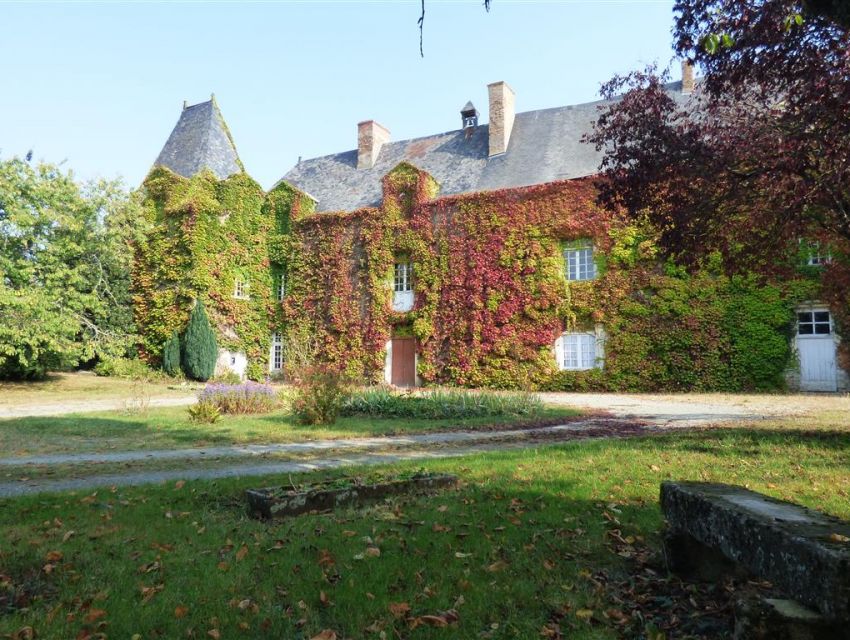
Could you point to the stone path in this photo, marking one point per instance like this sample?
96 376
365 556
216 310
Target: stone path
311 447
656 411
11 490
384 450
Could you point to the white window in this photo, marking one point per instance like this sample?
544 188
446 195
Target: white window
240 289
813 323
402 277
817 257
402 287
280 286
276 361
579 263
578 351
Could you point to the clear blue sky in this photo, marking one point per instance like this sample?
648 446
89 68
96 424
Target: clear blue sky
100 85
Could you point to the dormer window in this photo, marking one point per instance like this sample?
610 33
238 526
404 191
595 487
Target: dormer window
240 289
578 261
402 285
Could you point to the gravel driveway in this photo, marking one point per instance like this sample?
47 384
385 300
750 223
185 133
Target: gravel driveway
688 410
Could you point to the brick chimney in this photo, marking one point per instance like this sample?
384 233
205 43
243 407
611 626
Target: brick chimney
501 116
371 136
688 82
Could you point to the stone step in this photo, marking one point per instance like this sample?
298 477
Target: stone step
804 553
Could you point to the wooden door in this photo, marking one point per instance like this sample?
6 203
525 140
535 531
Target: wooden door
404 362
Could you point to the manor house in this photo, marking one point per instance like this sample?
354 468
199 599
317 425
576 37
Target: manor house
474 257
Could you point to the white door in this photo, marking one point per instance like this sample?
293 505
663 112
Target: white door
816 347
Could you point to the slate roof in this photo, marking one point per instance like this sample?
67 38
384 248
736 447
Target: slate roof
544 146
200 140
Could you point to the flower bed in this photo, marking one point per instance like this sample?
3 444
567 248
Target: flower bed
248 397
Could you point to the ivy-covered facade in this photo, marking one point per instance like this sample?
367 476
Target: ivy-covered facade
438 261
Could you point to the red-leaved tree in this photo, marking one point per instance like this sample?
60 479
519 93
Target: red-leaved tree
759 155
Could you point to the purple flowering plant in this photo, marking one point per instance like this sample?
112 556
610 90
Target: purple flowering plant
247 397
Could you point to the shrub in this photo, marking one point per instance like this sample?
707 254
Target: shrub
441 404
171 355
200 349
204 412
228 377
320 393
129 368
589 380
248 397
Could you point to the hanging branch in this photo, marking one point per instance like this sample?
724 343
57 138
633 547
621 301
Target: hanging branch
421 23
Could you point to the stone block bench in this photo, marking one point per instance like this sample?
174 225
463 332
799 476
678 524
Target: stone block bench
716 528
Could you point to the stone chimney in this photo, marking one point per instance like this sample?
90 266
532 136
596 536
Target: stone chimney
687 77
370 138
501 116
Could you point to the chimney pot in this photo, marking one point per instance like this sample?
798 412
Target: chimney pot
688 81
371 136
501 116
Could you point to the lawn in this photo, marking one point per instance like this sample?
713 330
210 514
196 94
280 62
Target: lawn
168 428
79 387
548 542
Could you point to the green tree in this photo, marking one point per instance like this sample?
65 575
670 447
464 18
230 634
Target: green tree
200 349
171 355
64 264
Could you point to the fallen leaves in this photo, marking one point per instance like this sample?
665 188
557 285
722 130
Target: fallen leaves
94 615
24 633
149 592
399 609
443 619
181 611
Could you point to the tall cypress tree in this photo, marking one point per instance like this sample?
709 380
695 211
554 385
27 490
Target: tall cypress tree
200 350
171 355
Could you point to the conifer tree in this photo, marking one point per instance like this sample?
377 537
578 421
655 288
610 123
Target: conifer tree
200 350
171 355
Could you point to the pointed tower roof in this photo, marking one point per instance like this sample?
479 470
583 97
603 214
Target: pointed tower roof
200 140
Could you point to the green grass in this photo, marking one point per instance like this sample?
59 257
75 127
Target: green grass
167 428
78 387
524 543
